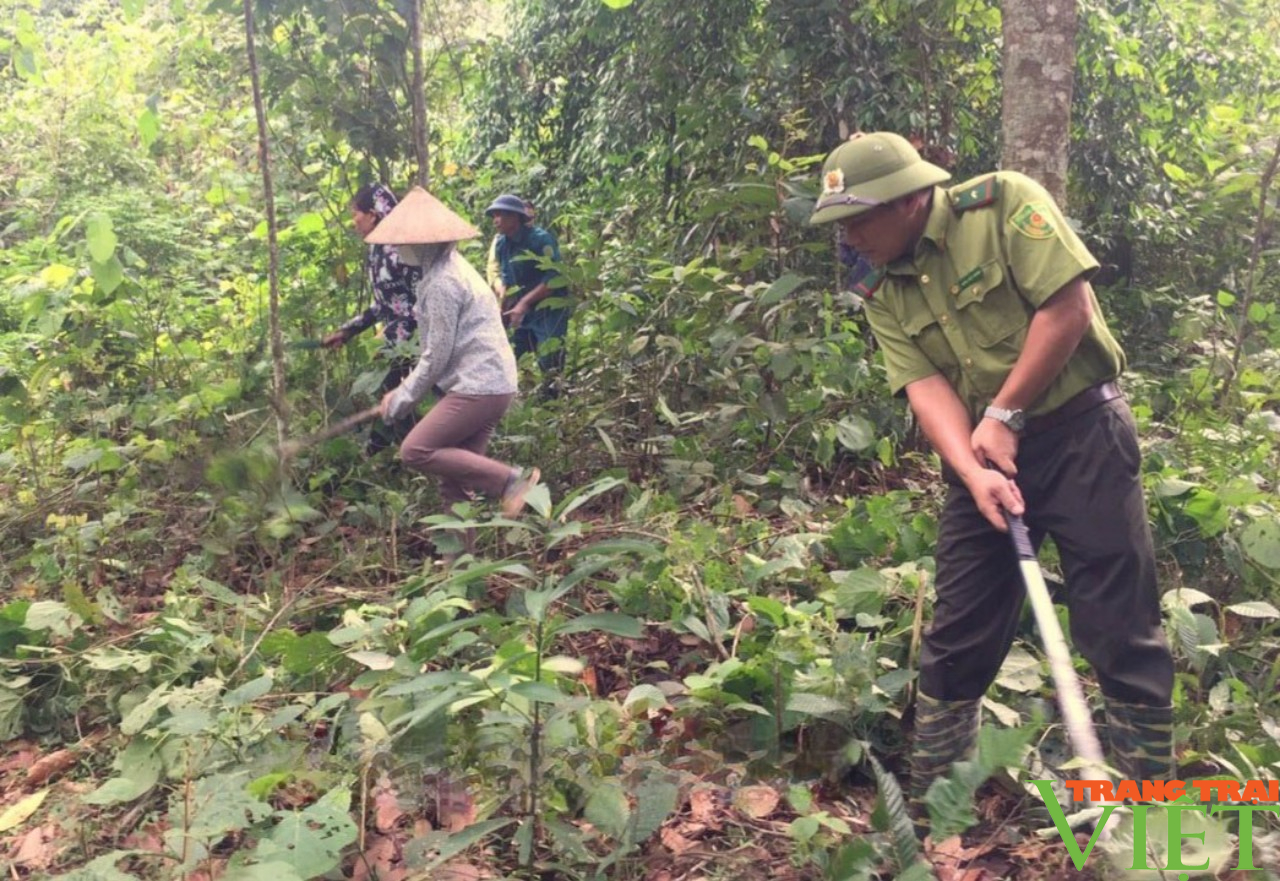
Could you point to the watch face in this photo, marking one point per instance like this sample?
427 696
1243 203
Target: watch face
1017 420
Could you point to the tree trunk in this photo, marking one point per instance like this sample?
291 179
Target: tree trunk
1039 66
419 99
278 401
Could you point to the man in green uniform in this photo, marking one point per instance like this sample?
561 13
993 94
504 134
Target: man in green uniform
981 304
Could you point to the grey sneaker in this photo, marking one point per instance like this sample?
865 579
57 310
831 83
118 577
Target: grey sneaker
513 497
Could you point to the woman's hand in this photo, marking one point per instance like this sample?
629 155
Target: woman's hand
385 407
334 340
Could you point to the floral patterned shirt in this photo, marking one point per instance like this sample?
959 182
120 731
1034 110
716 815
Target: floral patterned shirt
393 286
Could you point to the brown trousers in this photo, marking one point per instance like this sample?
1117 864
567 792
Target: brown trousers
1082 485
450 442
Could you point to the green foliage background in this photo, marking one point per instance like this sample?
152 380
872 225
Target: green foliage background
739 520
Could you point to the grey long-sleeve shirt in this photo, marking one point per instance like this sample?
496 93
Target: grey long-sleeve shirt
464 346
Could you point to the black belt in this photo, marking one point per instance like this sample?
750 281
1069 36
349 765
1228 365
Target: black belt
1081 403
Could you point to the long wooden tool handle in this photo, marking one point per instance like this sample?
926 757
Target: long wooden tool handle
340 427
1075 712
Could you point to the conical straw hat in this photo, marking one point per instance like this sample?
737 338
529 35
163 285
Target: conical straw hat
420 219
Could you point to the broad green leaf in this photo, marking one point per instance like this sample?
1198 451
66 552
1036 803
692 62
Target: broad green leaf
1169 487
1184 597
783 287
108 275
309 223
373 660
1255 609
455 844
815 704
211 808
311 653
770 608
644 697
112 659
608 808
271 871
1020 671
656 800
856 433
372 730
539 499
249 692
137 719
608 622
53 616
563 665
1261 541
101 237
539 692
148 127
311 841
11 705
139 767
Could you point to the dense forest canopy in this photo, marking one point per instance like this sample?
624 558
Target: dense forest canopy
215 664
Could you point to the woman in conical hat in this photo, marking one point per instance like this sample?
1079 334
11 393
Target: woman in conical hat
465 359
393 283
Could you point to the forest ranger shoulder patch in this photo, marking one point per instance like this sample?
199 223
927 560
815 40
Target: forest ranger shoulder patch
1032 220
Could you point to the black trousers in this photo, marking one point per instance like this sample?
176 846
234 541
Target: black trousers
1081 483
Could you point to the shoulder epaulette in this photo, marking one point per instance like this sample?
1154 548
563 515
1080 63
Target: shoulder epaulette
974 194
866 286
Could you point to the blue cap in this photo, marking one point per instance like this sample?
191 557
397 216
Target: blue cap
509 202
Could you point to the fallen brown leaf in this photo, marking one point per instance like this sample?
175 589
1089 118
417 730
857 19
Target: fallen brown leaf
387 812
676 843
37 849
458 872
456 810
381 854
757 802
21 755
706 805
50 766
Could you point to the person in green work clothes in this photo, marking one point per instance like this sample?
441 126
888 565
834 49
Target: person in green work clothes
980 301
537 324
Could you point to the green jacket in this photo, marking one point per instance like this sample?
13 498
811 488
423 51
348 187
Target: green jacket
994 249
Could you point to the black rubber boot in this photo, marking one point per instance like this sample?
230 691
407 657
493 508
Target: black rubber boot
946 732
1141 740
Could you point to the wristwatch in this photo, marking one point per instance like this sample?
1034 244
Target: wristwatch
1016 420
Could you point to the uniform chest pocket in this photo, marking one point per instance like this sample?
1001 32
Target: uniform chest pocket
926 333
989 310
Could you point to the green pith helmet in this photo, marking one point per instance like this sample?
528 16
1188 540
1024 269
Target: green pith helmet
870 170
